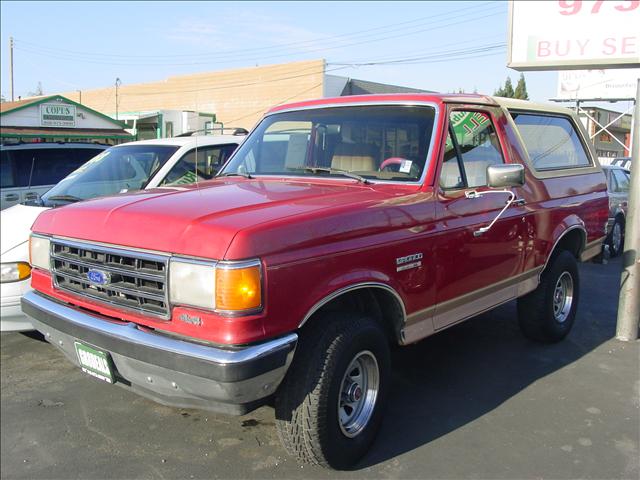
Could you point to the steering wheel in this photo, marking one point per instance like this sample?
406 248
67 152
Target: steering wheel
389 165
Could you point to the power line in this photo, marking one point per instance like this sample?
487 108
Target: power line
322 49
440 57
279 103
419 59
401 26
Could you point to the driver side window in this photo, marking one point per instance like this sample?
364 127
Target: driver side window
201 166
472 145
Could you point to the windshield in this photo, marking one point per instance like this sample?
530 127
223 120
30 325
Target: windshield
387 143
116 170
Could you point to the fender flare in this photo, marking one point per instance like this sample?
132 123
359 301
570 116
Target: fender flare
567 225
350 288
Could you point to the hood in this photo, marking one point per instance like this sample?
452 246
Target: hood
203 220
15 225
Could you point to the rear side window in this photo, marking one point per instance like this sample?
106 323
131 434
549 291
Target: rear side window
551 141
622 181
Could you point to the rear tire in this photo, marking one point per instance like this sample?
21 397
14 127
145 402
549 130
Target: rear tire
616 238
330 405
547 314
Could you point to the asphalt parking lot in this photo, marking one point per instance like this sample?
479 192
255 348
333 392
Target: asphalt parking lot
476 401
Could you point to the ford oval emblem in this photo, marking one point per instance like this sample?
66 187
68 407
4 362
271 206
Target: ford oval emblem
98 277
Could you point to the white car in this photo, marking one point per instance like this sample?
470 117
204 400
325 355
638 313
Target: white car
127 167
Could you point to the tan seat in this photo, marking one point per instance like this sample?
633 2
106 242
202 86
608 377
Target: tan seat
353 157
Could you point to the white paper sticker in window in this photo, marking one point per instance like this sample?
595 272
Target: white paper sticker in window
405 166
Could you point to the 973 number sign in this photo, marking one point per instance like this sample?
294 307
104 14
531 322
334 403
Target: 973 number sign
574 7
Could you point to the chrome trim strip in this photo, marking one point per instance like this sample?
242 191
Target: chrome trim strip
430 153
109 245
592 249
433 319
351 288
118 250
573 227
130 333
235 265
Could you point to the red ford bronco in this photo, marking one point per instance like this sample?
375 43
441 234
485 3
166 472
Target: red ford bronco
340 228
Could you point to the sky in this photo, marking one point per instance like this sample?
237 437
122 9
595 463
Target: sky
440 46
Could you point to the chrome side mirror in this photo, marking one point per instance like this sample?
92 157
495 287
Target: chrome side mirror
505 175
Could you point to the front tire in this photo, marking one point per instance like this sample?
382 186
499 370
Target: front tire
329 407
547 314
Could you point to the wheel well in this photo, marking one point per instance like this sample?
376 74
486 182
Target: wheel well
573 241
377 303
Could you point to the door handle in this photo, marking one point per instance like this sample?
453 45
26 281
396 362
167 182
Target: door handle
11 197
520 202
476 194
31 196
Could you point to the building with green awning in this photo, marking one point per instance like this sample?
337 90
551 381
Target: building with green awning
55 118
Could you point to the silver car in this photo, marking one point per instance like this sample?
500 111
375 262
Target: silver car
618 188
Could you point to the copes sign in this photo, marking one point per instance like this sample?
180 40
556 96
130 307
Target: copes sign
57 115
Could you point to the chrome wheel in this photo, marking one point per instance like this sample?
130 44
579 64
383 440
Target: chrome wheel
358 393
563 297
616 237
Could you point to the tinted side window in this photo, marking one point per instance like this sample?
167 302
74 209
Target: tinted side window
551 141
477 143
622 180
209 161
47 166
7 174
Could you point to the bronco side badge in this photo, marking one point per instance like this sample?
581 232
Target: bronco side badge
408 262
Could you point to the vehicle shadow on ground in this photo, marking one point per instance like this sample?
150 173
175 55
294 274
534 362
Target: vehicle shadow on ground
457 376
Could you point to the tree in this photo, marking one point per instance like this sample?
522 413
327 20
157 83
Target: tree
508 91
521 89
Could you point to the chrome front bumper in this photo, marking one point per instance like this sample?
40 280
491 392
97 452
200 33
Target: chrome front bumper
170 371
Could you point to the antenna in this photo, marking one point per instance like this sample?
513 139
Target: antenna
196 138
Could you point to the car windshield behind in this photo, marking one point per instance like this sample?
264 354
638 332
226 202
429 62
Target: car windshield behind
388 143
116 170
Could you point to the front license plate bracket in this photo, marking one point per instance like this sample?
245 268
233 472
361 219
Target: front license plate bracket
94 362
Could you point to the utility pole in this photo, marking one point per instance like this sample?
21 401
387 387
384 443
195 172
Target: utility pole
80 96
118 83
11 67
629 301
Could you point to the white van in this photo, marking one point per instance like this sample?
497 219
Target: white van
127 167
27 170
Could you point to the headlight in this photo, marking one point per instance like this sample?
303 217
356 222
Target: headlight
227 287
39 252
14 272
192 283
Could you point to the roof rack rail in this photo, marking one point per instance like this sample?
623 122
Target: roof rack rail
235 131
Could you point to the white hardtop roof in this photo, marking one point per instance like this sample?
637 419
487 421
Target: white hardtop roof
195 140
516 104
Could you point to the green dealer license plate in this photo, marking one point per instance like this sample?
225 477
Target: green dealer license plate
94 362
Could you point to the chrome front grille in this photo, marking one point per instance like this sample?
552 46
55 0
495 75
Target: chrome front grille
132 280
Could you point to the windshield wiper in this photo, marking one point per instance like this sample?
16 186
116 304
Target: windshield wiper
238 174
65 198
338 171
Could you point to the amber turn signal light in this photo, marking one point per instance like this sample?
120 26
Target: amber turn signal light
238 289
